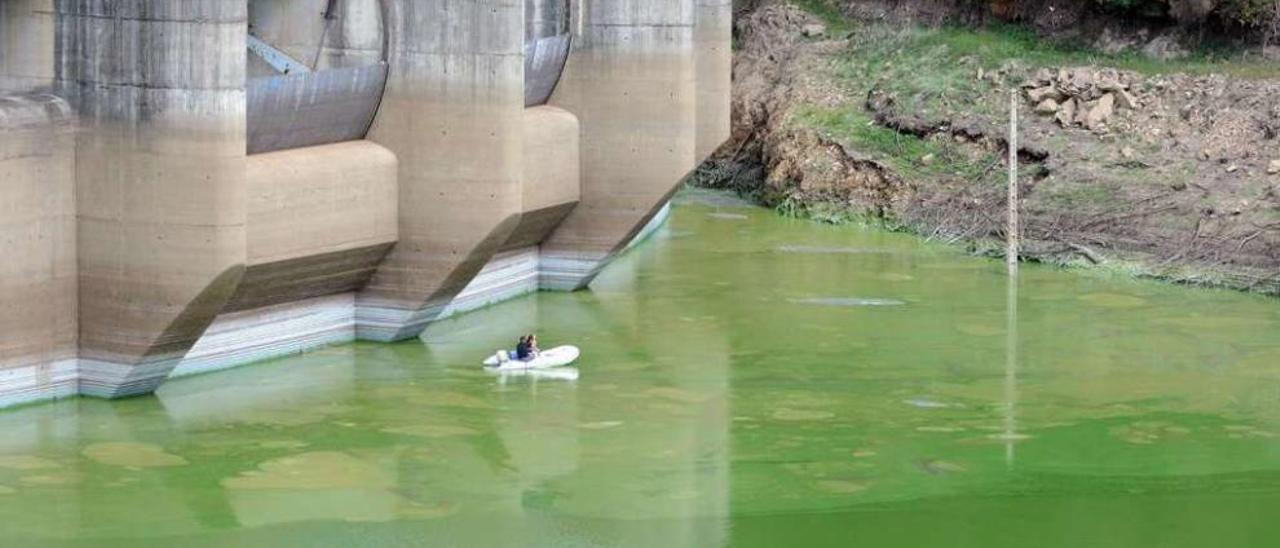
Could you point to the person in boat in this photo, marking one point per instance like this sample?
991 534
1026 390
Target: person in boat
530 348
522 348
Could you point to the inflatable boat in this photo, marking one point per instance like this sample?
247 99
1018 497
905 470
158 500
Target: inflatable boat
559 356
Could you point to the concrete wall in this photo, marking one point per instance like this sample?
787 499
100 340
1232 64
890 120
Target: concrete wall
150 231
160 178
452 114
713 62
37 249
631 82
26 45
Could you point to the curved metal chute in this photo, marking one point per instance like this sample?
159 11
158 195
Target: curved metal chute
317 108
544 61
546 48
299 108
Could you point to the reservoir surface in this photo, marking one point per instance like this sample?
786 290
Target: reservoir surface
745 380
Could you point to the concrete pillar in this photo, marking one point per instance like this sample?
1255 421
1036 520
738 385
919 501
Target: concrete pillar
452 114
26 45
160 178
713 59
631 82
37 249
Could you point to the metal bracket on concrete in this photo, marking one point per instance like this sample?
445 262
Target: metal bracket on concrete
278 60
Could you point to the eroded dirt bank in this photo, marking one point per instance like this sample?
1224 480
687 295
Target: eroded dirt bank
1168 169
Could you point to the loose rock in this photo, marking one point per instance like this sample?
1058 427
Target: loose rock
1039 95
1066 113
814 30
1100 112
1047 106
1125 101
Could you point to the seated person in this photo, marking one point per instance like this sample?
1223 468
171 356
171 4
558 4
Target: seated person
522 349
529 349
532 342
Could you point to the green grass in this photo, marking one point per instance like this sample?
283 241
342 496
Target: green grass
830 15
905 154
996 46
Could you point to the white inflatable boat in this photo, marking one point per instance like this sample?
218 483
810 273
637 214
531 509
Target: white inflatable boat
559 356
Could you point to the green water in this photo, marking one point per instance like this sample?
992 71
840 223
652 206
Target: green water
746 380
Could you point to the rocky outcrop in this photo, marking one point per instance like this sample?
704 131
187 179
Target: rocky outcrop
1081 96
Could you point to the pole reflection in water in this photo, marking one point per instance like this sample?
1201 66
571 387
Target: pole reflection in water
1011 368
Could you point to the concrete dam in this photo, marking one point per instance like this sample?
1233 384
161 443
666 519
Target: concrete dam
189 186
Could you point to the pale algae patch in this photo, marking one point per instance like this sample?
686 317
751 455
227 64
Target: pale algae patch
938 467
895 277
26 462
677 395
321 485
283 444
1113 300
293 416
821 250
52 480
134 454
450 399
788 414
841 487
431 430
927 403
1201 322
850 302
980 330
314 470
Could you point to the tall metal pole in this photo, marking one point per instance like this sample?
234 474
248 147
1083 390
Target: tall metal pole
1011 302
1011 254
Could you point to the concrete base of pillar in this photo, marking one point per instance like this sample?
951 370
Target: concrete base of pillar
111 380
567 270
509 275
40 382
380 323
241 338
563 270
